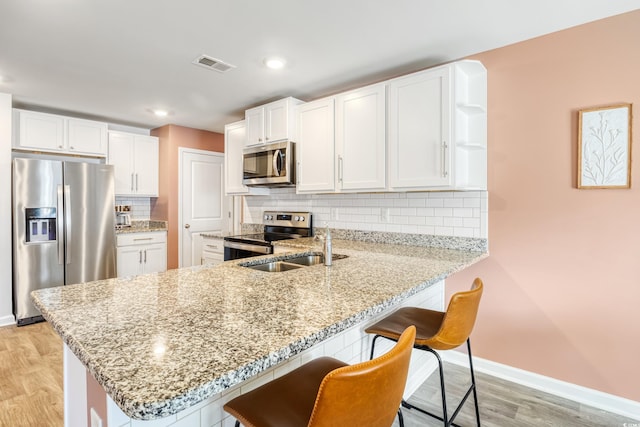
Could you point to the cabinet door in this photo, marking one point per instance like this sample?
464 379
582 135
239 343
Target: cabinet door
276 117
315 147
419 129
146 157
235 135
129 261
154 258
87 137
361 139
121 157
40 130
255 126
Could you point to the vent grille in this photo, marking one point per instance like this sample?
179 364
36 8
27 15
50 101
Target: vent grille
211 63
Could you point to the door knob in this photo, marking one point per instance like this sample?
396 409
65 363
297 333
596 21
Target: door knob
187 226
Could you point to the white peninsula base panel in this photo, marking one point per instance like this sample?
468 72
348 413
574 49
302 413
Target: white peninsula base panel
88 405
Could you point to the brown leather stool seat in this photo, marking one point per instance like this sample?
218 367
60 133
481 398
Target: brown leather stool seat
437 330
327 392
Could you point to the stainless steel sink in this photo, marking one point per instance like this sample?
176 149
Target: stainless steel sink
312 259
287 264
274 267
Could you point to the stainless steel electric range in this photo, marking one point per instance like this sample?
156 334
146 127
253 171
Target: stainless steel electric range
277 226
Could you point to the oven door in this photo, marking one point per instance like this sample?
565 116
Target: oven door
237 250
269 165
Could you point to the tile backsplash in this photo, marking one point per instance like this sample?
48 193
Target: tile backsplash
140 206
461 214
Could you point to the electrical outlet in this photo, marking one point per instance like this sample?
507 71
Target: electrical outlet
384 214
334 214
96 421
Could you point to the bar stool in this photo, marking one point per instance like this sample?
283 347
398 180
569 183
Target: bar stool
437 330
328 392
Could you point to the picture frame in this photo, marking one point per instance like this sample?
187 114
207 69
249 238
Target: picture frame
604 147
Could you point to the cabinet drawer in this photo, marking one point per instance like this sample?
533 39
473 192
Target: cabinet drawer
210 245
148 238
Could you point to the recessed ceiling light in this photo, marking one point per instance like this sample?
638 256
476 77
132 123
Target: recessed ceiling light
160 113
274 63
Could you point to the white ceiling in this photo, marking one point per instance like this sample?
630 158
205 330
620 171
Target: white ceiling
119 59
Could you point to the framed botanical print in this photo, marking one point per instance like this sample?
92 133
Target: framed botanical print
604 147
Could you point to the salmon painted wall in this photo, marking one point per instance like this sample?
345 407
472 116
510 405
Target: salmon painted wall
165 207
562 283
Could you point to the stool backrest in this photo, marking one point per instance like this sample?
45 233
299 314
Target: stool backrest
459 318
367 393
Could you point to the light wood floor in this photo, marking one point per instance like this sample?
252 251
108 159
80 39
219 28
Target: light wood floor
31 391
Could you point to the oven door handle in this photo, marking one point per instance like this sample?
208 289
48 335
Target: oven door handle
248 247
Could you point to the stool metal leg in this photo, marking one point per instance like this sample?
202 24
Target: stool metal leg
473 382
400 418
447 422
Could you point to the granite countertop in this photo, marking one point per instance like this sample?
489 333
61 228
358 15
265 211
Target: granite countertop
163 342
143 227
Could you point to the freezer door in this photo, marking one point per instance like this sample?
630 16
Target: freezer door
37 232
90 251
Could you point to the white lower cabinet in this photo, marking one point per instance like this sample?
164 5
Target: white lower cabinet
141 253
212 251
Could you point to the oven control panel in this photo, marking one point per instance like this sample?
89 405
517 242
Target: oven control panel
287 219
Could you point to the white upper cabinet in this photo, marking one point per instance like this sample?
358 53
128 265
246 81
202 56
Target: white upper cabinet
361 139
437 129
315 153
235 135
136 161
59 134
271 122
419 130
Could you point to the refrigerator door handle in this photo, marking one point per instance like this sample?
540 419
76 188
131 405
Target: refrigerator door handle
67 220
59 216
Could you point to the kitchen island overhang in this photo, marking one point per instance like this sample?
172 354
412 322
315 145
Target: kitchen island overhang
160 343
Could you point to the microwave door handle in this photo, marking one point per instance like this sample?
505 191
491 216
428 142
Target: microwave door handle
276 156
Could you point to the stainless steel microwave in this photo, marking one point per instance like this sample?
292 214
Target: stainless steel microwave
269 165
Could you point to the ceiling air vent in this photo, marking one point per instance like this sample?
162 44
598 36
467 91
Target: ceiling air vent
213 63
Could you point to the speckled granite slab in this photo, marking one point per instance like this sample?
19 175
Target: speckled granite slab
161 343
143 226
406 239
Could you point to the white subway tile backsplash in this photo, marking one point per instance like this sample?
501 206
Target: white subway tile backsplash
438 213
453 203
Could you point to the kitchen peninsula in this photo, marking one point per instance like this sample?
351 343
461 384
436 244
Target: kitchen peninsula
173 347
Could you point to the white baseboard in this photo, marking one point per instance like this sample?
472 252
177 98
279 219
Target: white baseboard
587 396
7 320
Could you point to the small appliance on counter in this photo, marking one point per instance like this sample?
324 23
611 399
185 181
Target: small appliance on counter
123 216
277 226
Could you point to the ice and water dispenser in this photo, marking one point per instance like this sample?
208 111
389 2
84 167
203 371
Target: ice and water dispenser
40 224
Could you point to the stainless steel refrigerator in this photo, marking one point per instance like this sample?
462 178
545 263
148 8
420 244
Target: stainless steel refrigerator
63 227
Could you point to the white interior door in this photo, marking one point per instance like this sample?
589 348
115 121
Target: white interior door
203 206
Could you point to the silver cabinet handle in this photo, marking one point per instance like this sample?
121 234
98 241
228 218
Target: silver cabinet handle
340 170
187 226
212 246
445 173
131 181
298 173
140 238
72 148
139 257
145 256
